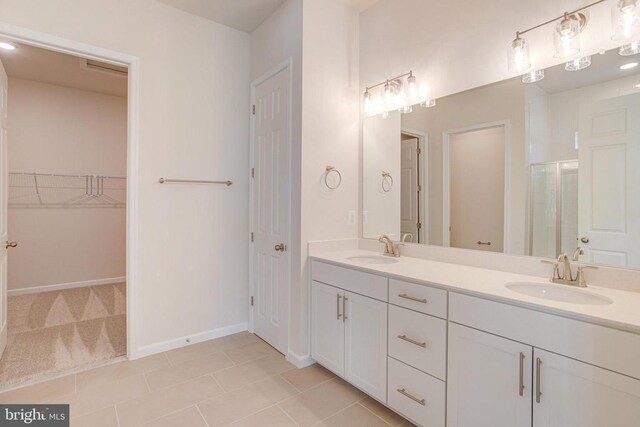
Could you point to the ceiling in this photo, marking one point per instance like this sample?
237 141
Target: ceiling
603 68
243 15
46 66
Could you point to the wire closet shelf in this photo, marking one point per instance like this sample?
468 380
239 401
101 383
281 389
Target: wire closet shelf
38 190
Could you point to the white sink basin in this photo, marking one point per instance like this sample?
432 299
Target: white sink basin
373 259
560 293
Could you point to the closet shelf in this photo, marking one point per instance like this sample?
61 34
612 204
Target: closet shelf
38 190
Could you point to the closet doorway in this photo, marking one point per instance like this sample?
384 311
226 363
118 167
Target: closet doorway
64 139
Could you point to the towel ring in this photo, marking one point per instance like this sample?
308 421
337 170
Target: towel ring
387 182
329 170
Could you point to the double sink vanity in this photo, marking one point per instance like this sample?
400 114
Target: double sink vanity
447 344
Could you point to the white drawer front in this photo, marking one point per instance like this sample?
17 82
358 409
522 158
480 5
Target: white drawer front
416 395
418 297
418 340
355 281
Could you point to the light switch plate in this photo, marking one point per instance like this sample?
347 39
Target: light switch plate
352 217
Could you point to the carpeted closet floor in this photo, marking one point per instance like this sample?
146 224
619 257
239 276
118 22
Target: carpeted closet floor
58 331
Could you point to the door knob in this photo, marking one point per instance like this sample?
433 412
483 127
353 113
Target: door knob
584 240
280 247
9 244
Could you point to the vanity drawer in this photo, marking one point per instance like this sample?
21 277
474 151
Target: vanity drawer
416 395
418 340
418 297
354 281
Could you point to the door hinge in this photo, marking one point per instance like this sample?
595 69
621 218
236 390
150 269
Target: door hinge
419 225
419 188
253 172
419 151
251 301
252 236
253 109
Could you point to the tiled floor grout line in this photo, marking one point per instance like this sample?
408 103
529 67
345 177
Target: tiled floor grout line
335 413
115 408
286 413
146 381
202 415
369 410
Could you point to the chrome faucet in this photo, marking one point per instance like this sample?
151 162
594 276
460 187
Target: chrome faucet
390 248
567 276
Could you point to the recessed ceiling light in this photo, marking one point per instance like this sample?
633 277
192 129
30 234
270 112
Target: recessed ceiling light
629 66
637 86
7 46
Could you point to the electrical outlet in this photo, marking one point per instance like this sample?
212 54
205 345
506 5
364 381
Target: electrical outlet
352 217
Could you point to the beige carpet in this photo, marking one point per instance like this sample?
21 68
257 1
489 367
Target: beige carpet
57 331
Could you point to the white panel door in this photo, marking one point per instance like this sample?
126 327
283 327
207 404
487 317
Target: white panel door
409 200
575 394
366 344
327 327
489 382
271 210
609 181
3 208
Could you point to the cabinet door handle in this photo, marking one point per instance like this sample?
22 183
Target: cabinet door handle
344 309
405 296
538 392
338 307
521 384
414 342
403 392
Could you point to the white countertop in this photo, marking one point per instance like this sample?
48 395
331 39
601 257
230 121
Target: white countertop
623 313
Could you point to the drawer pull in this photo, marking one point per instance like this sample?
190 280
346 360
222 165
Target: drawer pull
405 296
403 392
414 342
538 392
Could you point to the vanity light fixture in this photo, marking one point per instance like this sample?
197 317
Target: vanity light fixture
428 103
630 49
625 19
7 46
636 86
578 64
533 76
518 55
398 93
567 35
629 66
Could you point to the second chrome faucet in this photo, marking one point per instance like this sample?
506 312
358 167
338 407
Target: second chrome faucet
390 248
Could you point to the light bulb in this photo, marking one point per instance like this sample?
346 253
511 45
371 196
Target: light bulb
412 88
625 19
7 46
578 64
518 55
388 97
567 37
367 103
630 49
533 76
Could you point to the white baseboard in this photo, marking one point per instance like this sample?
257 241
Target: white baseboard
300 361
60 286
172 344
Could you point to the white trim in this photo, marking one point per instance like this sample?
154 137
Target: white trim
75 48
300 361
160 347
423 144
285 65
70 285
446 178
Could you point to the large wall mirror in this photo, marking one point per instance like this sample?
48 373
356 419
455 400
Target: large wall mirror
520 168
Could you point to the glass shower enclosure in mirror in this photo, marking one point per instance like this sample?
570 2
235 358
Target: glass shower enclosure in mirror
520 168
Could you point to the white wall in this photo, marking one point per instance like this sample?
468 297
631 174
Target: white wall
59 130
194 99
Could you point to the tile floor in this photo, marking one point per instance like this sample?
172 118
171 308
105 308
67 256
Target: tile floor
237 380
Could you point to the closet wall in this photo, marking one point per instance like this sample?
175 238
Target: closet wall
60 130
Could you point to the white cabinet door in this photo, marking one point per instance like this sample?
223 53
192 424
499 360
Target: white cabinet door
489 380
327 327
575 394
366 344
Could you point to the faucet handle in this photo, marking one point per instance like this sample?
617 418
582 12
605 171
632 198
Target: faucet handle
556 268
580 274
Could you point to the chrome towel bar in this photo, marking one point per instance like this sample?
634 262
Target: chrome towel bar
193 181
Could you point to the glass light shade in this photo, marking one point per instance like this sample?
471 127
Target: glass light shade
388 97
630 49
578 64
386 115
412 88
533 76
625 19
367 103
518 55
567 37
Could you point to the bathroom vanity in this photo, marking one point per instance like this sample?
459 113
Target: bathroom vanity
446 344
